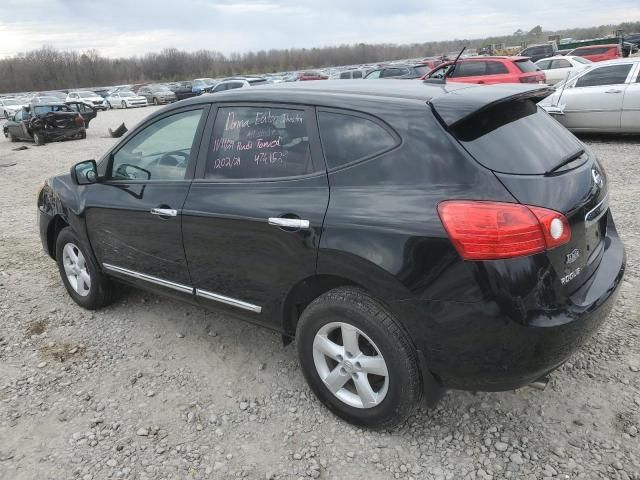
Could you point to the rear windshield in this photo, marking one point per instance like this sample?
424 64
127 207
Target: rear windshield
526 66
516 137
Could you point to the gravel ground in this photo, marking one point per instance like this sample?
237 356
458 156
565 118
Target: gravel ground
153 389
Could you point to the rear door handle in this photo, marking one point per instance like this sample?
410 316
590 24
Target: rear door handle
289 222
613 90
164 212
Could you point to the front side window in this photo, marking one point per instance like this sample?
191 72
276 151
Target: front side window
394 72
160 151
259 142
609 75
220 87
347 138
357 74
374 74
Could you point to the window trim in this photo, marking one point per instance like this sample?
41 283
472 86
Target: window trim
317 158
355 113
195 146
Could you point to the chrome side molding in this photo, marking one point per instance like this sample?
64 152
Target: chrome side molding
228 300
596 213
149 278
184 288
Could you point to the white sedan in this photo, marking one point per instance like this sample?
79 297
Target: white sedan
90 98
605 97
558 69
125 99
9 106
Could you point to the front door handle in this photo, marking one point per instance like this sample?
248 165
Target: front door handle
289 222
613 90
164 212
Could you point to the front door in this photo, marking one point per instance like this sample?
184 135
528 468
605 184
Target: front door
253 218
631 105
134 216
595 101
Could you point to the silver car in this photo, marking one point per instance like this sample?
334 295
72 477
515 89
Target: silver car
605 97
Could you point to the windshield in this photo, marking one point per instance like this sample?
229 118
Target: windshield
50 108
86 94
161 88
127 94
582 60
542 143
10 101
46 99
526 66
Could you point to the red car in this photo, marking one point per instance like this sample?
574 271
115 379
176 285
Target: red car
598 53
311 75
491 70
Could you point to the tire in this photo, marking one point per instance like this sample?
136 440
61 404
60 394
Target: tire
155 101
124 104
391 398
99 290
38 138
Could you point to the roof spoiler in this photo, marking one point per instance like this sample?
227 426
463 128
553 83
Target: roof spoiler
457 105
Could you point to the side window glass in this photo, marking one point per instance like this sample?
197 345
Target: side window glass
344 75
75 107
609 75
259 142
561 63
374 74
544 65
357 74
347 138
496 68
161 151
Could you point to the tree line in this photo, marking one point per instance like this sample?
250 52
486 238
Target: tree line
50 69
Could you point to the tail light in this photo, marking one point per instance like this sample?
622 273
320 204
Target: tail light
491 230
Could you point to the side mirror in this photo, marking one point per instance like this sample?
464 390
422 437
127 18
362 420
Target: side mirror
85 173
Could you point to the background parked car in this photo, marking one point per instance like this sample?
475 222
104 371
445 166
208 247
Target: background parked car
605 97
203 85
559 68
234 83
45 122
88 97
9 106
537 52
398 71
157 94
311 75
182 89
598 53
490 70
125 99
45 99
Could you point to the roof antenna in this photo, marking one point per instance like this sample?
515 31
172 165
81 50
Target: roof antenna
448 73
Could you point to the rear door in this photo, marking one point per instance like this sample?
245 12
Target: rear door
594 101
254 215
630 121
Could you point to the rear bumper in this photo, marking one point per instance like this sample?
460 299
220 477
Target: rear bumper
481 346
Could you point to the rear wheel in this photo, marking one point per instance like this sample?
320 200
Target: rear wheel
155 101
86 285
357 359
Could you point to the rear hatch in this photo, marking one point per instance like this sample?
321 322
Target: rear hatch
541 164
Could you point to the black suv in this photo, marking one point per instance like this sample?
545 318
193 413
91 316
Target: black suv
410 237
538 52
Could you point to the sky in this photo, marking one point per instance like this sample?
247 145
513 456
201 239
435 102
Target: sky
134 27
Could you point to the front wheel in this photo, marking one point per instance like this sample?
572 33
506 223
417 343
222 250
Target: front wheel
124 104
86 285
357 359
38 138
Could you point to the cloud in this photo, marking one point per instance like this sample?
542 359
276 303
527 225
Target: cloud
125 28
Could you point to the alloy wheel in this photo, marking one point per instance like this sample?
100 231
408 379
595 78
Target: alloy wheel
350 365
75 267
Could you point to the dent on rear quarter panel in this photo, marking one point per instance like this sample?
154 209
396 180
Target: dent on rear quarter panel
382 228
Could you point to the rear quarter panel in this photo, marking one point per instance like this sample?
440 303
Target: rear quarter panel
382 229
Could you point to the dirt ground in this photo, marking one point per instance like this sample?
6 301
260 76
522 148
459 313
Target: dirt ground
150 388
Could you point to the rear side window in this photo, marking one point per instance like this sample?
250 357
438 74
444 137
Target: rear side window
357 74
345 75
609 75
526 66
394 72
347 138
496 68
470 69
543 64
561 63
259 142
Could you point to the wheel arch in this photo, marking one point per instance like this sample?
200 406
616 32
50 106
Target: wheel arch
302 294
56 225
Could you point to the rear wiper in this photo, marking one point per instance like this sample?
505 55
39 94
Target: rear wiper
567 160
